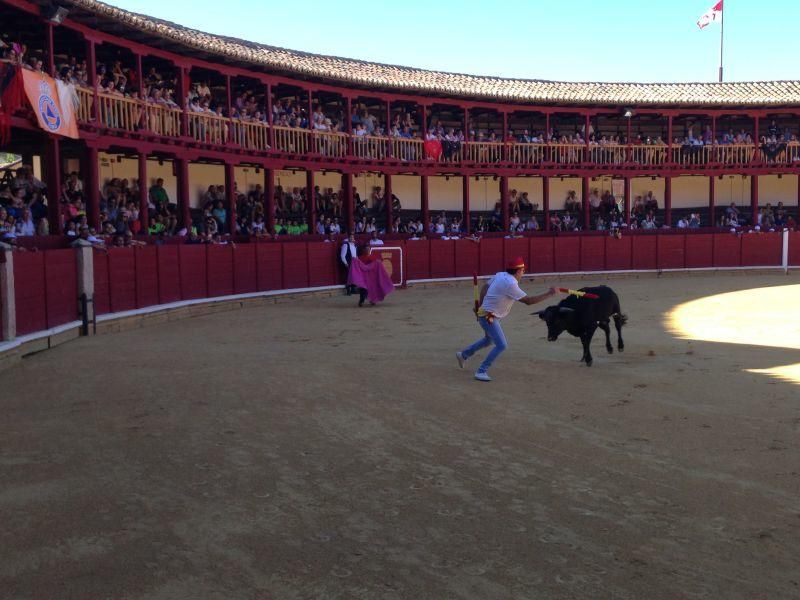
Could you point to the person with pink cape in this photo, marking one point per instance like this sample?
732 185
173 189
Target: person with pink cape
369 275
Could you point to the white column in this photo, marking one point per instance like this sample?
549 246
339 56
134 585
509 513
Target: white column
9 316
84 256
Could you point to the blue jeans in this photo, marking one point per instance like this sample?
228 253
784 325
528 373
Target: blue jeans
493 335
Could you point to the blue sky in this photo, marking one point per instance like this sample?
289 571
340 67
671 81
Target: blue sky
569 40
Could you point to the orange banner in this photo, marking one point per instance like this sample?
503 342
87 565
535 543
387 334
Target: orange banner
51 102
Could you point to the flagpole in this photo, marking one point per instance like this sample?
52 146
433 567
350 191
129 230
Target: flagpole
721 33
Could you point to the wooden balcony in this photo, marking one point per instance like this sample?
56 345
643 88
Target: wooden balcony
119 113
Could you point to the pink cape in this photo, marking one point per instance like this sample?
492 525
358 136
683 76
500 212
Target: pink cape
373 277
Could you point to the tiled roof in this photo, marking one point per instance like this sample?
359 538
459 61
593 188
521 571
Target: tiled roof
364 74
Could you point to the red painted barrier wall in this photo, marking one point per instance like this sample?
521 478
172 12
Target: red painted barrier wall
269 266
121 279
61 279
30 292
443 259
295 266
593 253
192 264
102 293
699 251
245 274
762 249
219 270
418 259
567 254
671 251
128 278
794 248
542 255
618 253
467 257
169 274
644 252
727 250
322 269
491 256
146 264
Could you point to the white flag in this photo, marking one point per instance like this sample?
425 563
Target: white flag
713 14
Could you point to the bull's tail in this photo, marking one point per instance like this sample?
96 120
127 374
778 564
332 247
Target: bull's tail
621 319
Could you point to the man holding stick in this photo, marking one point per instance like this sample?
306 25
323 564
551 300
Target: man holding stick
495 302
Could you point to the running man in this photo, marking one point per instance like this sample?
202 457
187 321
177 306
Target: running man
497 298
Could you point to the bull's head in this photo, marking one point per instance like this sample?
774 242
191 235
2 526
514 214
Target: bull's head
556 319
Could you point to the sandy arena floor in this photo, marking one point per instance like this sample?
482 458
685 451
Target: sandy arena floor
314 450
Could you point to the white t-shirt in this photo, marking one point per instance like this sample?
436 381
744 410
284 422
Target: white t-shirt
503 291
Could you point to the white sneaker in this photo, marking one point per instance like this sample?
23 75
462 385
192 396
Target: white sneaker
482 376
461 359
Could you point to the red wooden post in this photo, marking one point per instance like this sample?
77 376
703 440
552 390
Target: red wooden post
712 201
547 138
586 126
669 139
183 85
465 145
93 187
629 142
756 140
504 147
184 201
424 121
311 202
269 198
389 148
51 57
229 113
426 217
230 196
143 192
387 195
53 162
271 132
349 200
546 201
92 68
627 200
504 201
587 217
348 124
465 201
139 73
754 200
668 200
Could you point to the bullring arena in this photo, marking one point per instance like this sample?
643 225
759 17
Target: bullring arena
193 408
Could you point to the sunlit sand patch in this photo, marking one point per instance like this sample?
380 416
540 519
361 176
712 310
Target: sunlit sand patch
755 317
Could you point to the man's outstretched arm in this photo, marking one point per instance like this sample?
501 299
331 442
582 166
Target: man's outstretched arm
536 299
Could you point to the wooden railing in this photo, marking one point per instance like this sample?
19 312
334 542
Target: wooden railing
793 152
208 128
409 149
526 153
691 155
370 147
734 154
647 155
136 115
85 102
291 139
118 112
567 154
332 144
483 152
161 120
252 135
